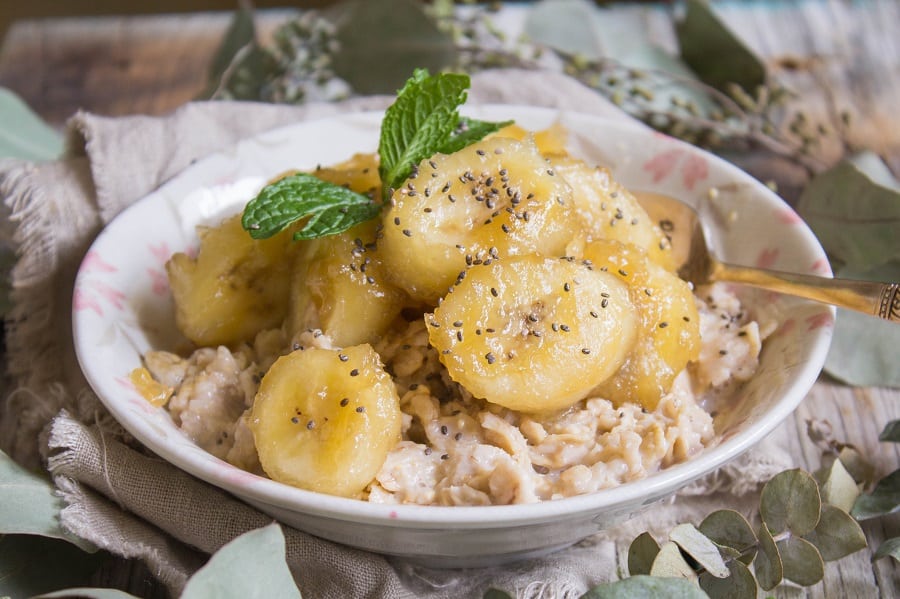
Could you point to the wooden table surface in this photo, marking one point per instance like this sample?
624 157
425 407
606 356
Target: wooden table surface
152 64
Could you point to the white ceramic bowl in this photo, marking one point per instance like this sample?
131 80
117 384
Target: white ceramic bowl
122 308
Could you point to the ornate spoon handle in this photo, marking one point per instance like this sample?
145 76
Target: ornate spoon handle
870 297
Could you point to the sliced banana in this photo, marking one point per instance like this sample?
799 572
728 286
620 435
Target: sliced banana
532 333
550 141
325 420
609 211
669 329
493 199
339 285
234 288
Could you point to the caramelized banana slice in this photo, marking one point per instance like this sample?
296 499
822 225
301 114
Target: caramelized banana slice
493 199
325 420
532 333
669 329
609 211
234 288
338 283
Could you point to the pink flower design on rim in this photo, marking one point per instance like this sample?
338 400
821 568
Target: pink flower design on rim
821 267
662 164
93 262
789 217
82 300
767 258
160 282
693 170
818 321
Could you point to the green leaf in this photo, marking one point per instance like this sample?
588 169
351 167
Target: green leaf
714 53
641 553
884 499
252 565
890 547
839 489
383 41
860 468
854 217
740 583
88 593
701 548
468 132
566 25
330 208
30 504
240 34
768 566
646 587
419 122
862 351
31 565
729 528
496 594
253 67
790 501
802 562
891 432
23 134
670 563
837 534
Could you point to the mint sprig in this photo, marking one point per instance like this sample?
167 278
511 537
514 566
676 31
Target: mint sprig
331 208
422 121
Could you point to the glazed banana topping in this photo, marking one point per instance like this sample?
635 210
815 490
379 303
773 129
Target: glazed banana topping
508 329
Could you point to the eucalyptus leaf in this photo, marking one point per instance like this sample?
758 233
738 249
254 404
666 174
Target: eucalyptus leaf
854 217
241 33
768 566
646 587
88 593
740 583
248 75
31 565
641 553
839 489
863 349
802 562
30 504
890 547
383 41
566 25
884 499
670 562
837 534
24 134
790 501
860 468
701 548
713 52
496 594
252 565
729 528
891 432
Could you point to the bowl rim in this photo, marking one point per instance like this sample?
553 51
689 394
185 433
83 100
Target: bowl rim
654 486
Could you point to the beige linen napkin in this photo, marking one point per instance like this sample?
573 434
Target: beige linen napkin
136 505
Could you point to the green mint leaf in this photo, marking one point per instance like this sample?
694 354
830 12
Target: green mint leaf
331 208
468 132
419 123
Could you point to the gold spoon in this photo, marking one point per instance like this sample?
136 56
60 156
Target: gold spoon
697 264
